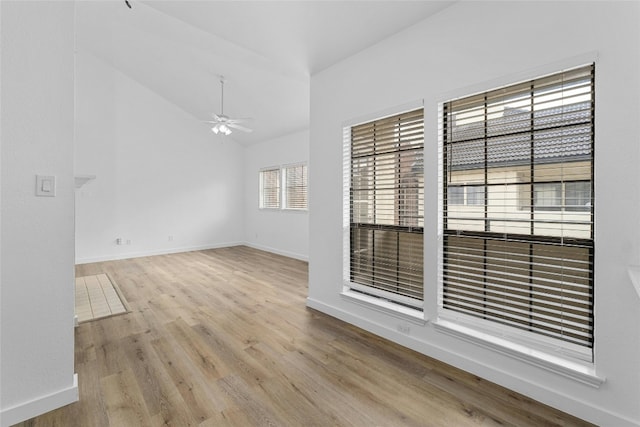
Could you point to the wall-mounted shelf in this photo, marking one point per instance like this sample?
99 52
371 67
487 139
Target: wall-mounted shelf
81 180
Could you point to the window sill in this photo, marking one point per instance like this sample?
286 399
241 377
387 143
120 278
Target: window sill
384 306
284 210
567 368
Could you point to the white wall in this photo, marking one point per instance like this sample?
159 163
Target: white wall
470 45
159 172
280 231
37 278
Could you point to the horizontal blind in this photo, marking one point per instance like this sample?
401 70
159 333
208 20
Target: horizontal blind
519 206
270 188
296 187
387 206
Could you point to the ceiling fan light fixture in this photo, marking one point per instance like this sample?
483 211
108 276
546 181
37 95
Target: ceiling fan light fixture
221 128
225 129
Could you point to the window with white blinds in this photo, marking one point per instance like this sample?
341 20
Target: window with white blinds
270 188
518 207
295 187
384 202
284 188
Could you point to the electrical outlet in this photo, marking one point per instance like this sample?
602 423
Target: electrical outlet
128 242
171 238
119 241
404 328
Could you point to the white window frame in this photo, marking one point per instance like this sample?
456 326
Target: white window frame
282 187
262 188
398 305
535 350
285 189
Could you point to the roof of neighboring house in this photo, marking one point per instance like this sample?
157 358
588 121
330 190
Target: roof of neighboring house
562 134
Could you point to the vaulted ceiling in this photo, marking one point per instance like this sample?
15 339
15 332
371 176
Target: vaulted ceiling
267 50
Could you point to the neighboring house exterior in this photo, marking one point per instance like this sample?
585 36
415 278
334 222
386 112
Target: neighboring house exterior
532 186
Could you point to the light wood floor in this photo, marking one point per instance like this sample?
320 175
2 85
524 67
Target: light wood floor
223 338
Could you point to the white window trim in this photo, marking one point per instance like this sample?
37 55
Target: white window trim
281 170
537 352
384 306
283 177
515 78
568 367
261 188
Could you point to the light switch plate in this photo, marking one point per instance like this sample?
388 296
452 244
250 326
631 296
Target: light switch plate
45 185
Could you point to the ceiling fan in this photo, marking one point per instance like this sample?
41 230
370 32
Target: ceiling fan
224 124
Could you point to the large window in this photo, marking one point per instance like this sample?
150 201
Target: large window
518 209
384 207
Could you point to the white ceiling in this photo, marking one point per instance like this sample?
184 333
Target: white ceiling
266 50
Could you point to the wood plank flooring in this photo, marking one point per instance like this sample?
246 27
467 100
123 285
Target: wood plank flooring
223 338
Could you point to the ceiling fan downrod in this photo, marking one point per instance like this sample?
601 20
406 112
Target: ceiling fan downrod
222 95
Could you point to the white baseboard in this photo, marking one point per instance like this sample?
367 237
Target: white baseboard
294 255
39 406
592 413
139 254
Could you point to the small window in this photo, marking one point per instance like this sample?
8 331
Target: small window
295 187
547 197
572 196
270 189
455 195
475 195
284 188
465 195
577 196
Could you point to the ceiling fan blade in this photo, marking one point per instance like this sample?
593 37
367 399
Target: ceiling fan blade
240 120
242 128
